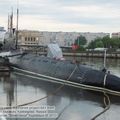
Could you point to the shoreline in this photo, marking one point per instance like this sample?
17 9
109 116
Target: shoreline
93 54
88 54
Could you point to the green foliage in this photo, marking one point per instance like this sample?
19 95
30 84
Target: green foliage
80 41
99 44
96 43
91 45
81 48
115 43
105 42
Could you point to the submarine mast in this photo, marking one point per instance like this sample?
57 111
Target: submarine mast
16 44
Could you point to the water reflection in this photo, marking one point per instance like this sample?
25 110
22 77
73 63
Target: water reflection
72 102
74 94
8 89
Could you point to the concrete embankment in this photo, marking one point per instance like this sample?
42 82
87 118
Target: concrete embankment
93 54
115 55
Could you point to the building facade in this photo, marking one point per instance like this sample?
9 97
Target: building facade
68 38
116 35
29 38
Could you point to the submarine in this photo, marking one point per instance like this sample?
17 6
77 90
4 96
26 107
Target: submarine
54 67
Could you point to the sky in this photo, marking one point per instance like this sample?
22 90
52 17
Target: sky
64 15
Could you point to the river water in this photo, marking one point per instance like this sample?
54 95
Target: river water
67 103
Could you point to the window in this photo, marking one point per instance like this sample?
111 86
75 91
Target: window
28 39
25 38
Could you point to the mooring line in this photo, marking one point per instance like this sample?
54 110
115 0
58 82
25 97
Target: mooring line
107 106
106 99
70 83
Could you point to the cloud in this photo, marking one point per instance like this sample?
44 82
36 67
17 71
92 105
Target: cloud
71 15
93 11
47 24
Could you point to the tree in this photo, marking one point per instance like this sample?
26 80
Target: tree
91 45
81 41
97 43
106 41
115 43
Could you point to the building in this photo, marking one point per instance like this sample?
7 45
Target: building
2 35
2 28
29 38
68 38
116 35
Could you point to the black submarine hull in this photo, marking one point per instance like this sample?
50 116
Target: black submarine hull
66 70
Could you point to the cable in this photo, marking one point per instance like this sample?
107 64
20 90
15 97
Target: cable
104 81
106 99
69 83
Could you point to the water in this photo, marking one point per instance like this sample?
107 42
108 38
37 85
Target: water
113 65
69 103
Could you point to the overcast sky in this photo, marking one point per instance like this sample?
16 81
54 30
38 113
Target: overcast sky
64 15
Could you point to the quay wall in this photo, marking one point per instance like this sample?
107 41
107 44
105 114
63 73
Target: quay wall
97 55
86 54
